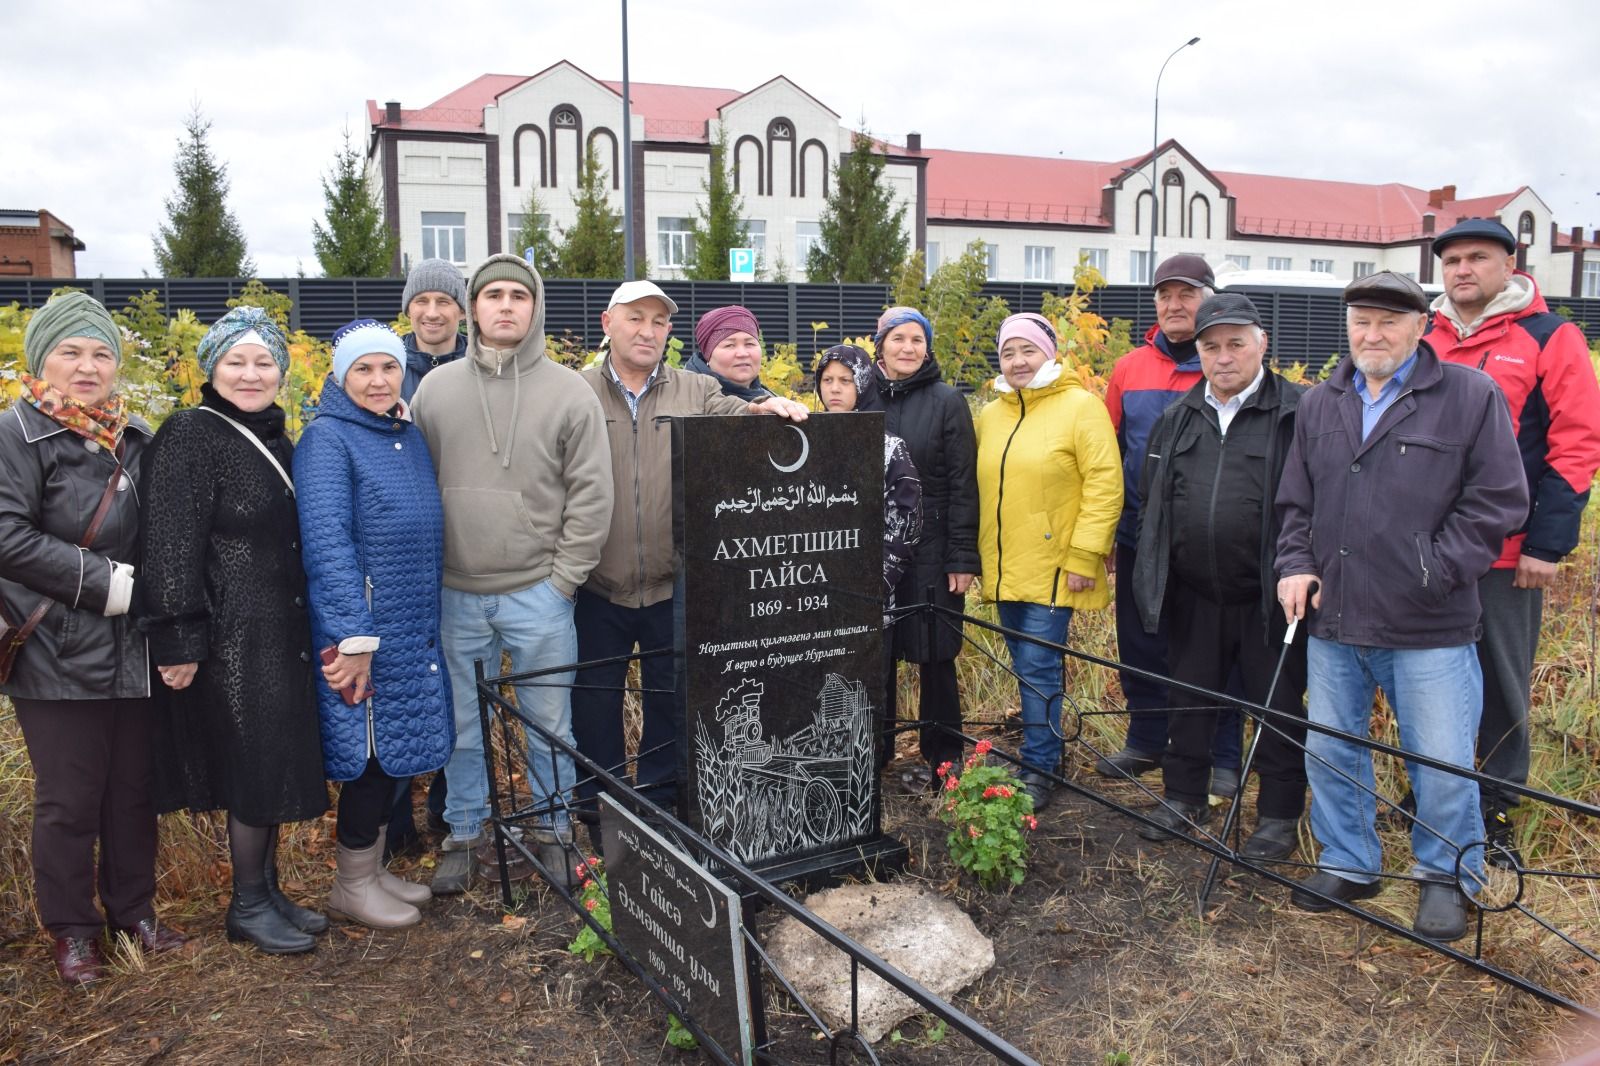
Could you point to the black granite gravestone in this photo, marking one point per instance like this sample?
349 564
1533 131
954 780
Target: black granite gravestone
682 925
778 528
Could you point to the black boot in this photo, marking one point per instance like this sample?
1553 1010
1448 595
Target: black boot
302 918
252 917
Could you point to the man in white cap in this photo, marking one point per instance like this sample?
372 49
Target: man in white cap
627 601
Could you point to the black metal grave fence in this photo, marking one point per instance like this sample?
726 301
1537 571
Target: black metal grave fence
1501 900
756 892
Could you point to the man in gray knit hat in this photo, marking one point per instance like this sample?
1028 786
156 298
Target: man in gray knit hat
435 301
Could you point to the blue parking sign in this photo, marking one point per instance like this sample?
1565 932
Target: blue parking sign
741 264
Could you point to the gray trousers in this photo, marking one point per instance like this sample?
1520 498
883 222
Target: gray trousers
1511 618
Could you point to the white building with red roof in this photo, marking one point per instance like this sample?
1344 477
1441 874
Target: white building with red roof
457 175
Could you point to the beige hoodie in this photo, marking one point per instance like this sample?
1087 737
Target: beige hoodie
519 446
1516 296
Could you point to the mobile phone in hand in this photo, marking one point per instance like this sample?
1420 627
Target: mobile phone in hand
351 696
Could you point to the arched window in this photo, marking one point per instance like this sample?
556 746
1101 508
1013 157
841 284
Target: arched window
566 117
1172 202
1200 216
1525 229
781 130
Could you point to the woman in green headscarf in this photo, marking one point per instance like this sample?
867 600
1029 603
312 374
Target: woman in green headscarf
69 527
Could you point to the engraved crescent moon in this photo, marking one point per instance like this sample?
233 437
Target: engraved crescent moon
805 453
710 923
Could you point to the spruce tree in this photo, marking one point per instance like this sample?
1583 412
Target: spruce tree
356 242
201 238
535 233
719 223
593 247
861 234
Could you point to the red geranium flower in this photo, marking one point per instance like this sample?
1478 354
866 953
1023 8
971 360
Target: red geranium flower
982 747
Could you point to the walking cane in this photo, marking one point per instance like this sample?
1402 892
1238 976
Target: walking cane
1229 822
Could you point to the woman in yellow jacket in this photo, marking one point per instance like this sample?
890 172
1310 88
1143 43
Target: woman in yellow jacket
1050 492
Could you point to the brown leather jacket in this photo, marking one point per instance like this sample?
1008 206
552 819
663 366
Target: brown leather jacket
635 568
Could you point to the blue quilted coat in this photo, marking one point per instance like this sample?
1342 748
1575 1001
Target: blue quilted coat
372 527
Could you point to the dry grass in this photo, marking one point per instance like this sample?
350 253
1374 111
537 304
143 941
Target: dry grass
1100 952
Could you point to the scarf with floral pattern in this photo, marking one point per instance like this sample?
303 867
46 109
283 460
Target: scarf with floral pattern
103 424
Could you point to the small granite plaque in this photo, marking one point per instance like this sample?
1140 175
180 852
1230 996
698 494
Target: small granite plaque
779 530
682 925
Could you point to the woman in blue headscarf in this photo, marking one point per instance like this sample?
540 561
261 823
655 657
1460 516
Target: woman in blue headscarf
223 601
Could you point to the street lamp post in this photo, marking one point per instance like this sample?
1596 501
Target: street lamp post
1155 143
627 157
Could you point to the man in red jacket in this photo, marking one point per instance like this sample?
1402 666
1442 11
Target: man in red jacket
1491 316
1143 384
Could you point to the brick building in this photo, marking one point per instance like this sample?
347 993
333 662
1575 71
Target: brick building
37 244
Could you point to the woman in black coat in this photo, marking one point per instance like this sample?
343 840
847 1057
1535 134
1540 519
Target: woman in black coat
934 421
80 683
224 604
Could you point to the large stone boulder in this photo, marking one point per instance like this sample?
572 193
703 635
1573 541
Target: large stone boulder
918 932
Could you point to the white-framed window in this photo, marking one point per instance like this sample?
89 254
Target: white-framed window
1038 263
444 236
1362 269
514 222
991 259
933 258
1279 262
674 241
1240 262
1139 267
806 234
1322 266
1591 281
755 231
1099 258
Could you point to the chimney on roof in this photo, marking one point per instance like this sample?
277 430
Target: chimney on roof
391 113
1435 197
1448 192
913 142
1428 221
1577 235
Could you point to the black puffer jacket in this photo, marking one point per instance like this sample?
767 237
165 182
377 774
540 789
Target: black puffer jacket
51 481
222 585
936 424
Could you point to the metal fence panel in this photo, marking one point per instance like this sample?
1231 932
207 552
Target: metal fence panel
1307 325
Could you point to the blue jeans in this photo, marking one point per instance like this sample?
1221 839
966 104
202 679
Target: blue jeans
1437 696
534 625
1039 673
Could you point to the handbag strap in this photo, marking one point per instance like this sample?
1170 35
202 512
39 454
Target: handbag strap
262 448
95 522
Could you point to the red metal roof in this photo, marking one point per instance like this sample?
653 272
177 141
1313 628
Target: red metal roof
675 112
984 186
671 112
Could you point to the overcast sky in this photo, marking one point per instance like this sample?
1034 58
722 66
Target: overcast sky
1484 95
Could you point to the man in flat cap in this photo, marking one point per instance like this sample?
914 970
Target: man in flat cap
1207 535
1143 384
627 601
1402 483
1492 317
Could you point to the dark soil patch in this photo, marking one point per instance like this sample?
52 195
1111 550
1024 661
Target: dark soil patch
1100 952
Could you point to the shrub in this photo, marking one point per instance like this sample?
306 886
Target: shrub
987 810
